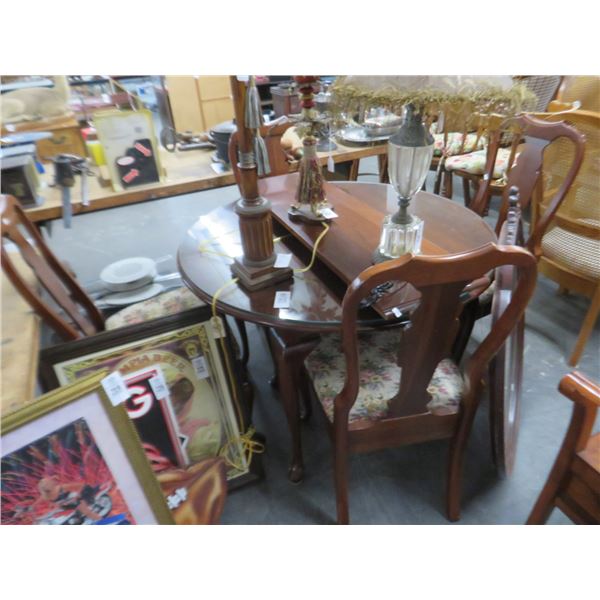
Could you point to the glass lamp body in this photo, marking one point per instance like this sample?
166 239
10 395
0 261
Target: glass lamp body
408 167
409 157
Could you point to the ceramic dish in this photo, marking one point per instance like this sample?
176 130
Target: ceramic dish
357 135
128 274
133 296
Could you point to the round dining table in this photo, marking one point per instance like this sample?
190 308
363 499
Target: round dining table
205 255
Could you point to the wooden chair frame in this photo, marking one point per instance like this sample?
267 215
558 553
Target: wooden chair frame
85 318
440 280
573 484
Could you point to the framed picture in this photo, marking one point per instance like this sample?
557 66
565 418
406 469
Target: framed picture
73 458
149 407
184 347
130 147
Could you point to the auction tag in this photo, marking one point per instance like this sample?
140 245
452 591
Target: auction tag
282 261
159 385
115 387
329 214
282 299
330 164
217 327
396 312
201 367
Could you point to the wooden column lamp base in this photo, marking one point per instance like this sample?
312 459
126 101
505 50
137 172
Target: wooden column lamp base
256 228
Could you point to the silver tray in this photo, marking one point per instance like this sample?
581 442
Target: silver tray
357 135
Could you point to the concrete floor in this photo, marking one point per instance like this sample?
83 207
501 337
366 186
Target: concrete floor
401 486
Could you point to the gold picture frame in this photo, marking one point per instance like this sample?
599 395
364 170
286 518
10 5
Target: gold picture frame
77 458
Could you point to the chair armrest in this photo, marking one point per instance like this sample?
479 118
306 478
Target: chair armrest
580 389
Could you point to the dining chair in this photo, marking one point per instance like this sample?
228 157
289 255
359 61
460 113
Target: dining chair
391 388
573 484
569 252
68 310
471 164
505 373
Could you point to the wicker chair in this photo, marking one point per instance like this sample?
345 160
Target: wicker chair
571 247
585 90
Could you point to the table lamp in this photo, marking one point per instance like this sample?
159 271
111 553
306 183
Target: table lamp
410 150
255 268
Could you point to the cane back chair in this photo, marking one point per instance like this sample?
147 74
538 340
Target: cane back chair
386 389
569 251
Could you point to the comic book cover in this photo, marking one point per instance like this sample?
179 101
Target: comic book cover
150 409
198 390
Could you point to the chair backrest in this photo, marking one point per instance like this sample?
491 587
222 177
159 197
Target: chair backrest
585 89
529 139
272 135
81 317
545 88
440 281
579 211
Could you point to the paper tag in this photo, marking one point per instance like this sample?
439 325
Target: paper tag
217 327
242 77
282 261
396 312
282 299
115 388
329 214
201 367
159 385
330 164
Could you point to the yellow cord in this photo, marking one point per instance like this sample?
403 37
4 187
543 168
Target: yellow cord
249 446
314 253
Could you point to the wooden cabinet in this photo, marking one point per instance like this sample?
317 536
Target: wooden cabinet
199 102
66 136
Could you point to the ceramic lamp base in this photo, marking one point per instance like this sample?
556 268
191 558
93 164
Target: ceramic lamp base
258 278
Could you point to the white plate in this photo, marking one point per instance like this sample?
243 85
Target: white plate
128 273
125 298
358 135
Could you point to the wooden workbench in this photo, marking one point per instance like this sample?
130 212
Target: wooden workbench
20 346
186 172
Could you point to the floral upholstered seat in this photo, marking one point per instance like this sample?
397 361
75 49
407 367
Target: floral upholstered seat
454 142
165 304
379 377
474 162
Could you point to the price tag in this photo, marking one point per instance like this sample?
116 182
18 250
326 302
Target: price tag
282 299
330 164
396 312
329 214
115 387
282 261
199 364
159 385
217 327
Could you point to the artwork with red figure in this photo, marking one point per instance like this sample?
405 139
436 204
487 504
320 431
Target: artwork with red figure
61 479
